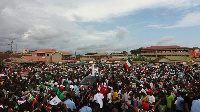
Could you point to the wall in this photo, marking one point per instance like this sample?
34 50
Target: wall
56 57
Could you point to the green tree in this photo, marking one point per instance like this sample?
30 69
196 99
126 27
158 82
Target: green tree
91 53
136 51
8 52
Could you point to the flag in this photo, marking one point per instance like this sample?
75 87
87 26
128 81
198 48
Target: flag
19 102
128 63
5 93
34 101
30 98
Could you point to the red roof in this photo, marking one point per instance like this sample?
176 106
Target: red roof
45 51
4 56
34 58
164 47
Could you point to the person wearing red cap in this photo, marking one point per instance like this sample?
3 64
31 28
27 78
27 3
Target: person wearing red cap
151 99
61 89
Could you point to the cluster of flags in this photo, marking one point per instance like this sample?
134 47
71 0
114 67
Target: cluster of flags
29 98
128 63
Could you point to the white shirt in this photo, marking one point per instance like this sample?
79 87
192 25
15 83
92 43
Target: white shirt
129 101
124 97
99 99
151 99
109 97
151 84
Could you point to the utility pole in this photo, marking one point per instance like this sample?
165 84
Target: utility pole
16 47
11 45
11 48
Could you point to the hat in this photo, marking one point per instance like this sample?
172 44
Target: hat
61 88
55 84
145 106
150 91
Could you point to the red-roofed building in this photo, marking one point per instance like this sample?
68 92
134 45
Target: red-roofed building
159 51
34 58
45 51
45 54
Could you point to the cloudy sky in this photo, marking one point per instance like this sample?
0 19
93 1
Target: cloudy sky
98 25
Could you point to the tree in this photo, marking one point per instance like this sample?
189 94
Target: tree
136 51
8 52
91 53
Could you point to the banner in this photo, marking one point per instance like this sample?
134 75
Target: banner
55 101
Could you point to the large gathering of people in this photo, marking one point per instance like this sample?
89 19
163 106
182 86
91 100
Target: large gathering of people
140 88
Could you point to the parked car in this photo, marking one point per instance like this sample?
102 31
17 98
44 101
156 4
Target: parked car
91 79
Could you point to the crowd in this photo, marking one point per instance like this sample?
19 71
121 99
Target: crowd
141 88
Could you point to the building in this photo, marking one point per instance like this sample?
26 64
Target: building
118 55
25 51
195 52
61 57
45 54
160 51
34 59
176 60
97 56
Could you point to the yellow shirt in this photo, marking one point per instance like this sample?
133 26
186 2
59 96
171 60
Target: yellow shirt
1 83
115 95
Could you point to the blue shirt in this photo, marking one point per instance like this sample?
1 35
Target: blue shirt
180 103
70 104
76 89
85 109
195 106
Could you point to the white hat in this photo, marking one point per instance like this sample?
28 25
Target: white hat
55 83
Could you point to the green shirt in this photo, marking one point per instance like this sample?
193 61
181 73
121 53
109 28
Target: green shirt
170 100
55 89
161 108
61 96
58 93
156 98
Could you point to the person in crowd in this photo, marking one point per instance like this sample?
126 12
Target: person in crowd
85 107
188 101
180 102
98 97
69 103
170 100
151 98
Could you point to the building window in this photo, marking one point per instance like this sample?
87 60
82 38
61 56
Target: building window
40 54
47 54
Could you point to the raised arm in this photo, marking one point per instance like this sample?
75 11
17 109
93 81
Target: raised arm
157 103
134 109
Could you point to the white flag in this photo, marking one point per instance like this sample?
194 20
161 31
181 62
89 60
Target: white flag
55 101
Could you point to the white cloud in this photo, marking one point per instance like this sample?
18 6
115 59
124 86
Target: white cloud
121 33
155 26
189 20
100 10
165 40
